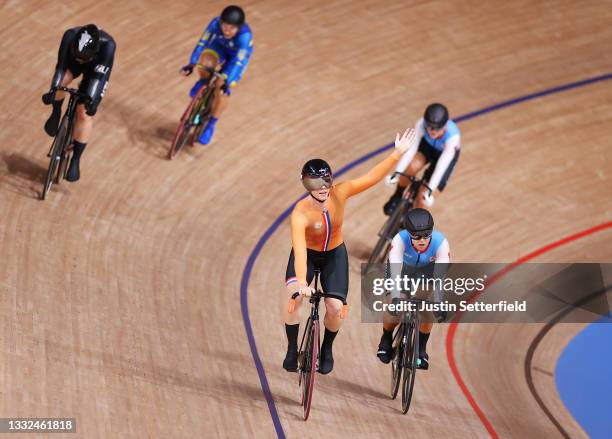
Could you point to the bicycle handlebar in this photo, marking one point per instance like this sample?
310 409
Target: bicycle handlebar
319 295
210 70
47 98
412 178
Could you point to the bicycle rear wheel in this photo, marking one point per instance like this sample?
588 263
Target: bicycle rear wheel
410 362
309 367
57 151
396 362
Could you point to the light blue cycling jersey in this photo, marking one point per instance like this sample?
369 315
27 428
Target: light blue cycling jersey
438 144
413 258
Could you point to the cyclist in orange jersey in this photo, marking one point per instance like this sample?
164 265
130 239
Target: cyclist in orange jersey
316 234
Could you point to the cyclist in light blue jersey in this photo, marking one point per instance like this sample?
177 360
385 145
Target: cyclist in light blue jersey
417 246
437 143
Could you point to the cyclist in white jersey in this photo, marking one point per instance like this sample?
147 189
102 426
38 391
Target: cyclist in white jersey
437 143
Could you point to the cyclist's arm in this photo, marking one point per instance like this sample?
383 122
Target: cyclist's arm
238 63
203 41
298 239
63 54
450 148
441 266
377 173
101 73
443 253
419 131
396 260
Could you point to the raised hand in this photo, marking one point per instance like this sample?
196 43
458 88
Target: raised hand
405 141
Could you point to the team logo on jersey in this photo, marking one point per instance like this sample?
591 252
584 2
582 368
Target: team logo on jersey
104 89
85 38
101 69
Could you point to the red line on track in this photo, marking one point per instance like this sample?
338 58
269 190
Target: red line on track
450 336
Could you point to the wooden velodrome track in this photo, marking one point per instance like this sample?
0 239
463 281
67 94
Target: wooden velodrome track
120 295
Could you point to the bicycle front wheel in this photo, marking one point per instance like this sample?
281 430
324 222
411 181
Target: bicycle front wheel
57 151
388 231
308 371
411 354
183 130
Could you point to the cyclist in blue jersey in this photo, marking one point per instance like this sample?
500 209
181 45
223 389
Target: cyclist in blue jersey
437 143
416 247
226 42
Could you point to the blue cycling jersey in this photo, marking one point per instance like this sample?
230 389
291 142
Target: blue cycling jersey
233 52
413 258
438 144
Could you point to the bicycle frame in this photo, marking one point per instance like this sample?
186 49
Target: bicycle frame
308 353
58 151
69 113
197 114
408 199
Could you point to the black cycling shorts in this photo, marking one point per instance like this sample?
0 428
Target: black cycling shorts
432 155
334 268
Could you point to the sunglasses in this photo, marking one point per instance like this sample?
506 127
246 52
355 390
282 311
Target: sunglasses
435 128
420 235
316 183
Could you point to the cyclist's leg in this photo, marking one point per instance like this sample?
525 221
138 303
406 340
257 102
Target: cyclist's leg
424 332
426 319
220 104
385 346
414 167
292 319
420 202
94 85
52 123
222 100
209 58
334 280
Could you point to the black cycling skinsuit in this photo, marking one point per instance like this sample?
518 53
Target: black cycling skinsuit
96 73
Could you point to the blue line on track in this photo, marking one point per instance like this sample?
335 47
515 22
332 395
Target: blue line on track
248 269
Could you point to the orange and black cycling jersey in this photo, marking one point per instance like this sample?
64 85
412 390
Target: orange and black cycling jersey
319 228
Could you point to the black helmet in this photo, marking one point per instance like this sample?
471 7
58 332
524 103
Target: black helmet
418 222
316 173
86 43
436 116
233 15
